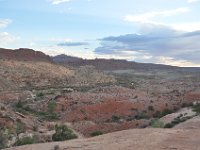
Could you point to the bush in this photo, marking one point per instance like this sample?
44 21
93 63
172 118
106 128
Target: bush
19 104
187 104
20 127
166 112
150 108
156 123
168 125
177 120
157 114
115 118
3 140
20 107
196 108
25 141
39 96
49 115
63 133
51 107
142 115
96 133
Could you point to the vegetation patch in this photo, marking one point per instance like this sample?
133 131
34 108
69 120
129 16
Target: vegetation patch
39 96
25 141
165 112
3 139
142 115
115 118
49 115
20 127
96 133
63 133
178 120
156 123
196 108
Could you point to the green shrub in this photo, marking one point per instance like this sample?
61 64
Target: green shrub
142 115
157 114
19 104
63 133
20 127
166 112
196 108
187 104
168 125
20 107
51 107
25 141
156 123
177 120
96 133
115 118
49 115
3 140
39 96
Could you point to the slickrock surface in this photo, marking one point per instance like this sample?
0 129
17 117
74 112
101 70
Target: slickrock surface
136 139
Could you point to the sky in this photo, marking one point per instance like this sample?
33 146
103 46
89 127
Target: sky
149 31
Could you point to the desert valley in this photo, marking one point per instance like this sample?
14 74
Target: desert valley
66 102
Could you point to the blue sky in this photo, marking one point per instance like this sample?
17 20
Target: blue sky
156 31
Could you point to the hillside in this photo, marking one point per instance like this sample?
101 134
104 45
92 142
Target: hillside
65 58
24 54
27 68
107 64
97 97
27 74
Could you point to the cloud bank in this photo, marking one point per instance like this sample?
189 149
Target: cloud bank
155 42
73 44
149 16
192 1
6 38
4 23
56 2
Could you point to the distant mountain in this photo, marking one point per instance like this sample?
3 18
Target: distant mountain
65 58
24 54
106 64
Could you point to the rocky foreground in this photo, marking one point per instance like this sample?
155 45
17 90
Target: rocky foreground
135 139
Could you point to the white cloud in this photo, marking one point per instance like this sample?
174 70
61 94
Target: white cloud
148 17
175 62
56 2
57 50
6 38
186 27
192 1
5 22
193 26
